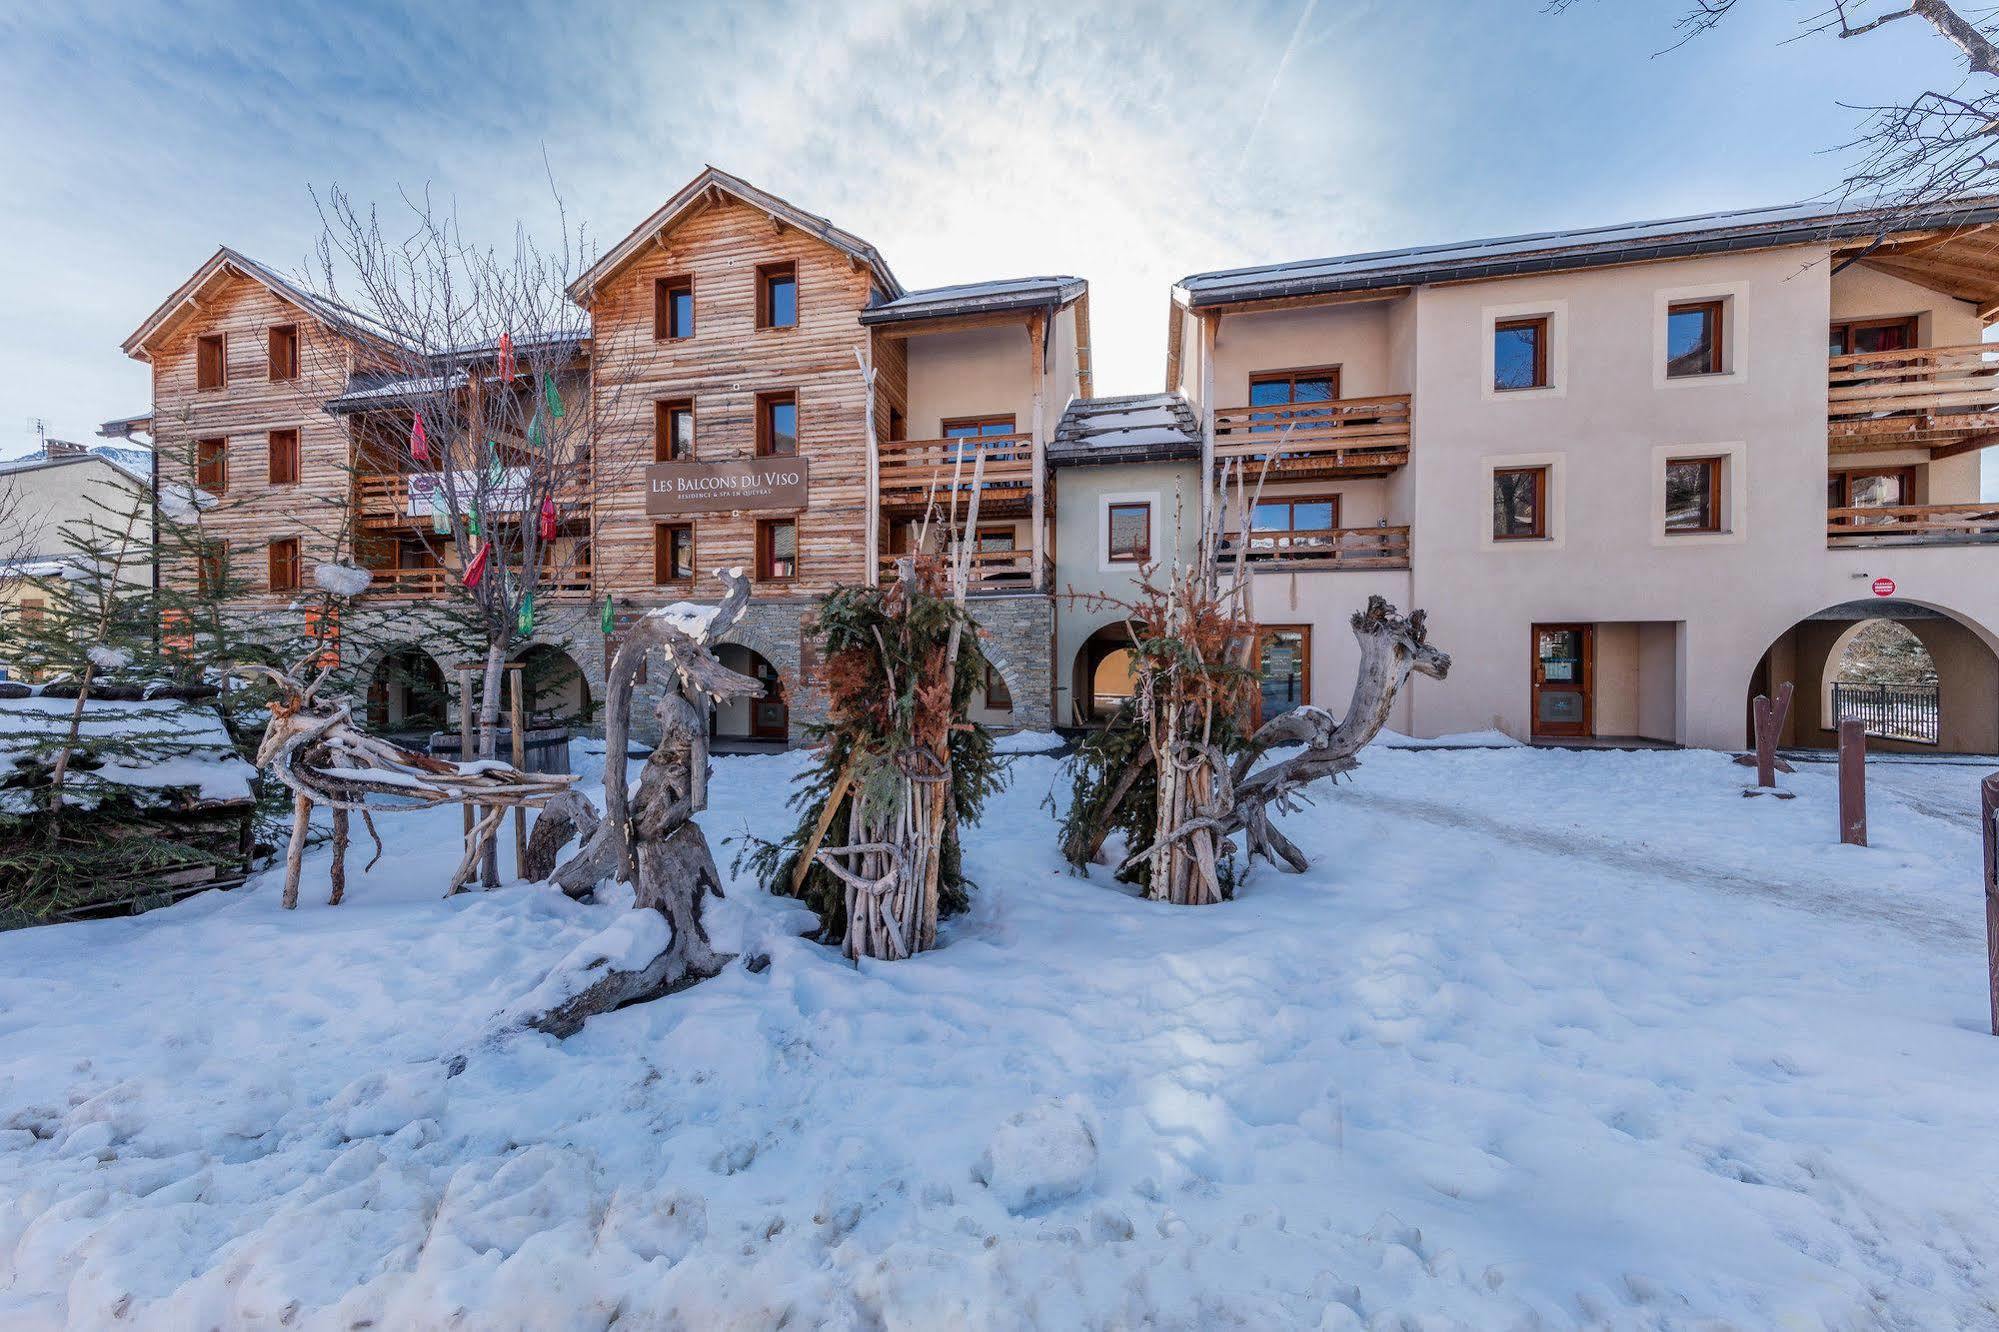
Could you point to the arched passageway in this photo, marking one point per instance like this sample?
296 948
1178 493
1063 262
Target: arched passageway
554 688
1102 674
1920 678
407 692
767 717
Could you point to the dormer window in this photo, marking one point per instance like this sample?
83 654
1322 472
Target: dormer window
777 295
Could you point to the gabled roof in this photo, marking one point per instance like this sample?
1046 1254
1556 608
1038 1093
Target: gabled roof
133 463
1145 427
978 298
226 264
1550 251
699 193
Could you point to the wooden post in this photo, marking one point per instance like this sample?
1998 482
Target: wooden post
1770 720
1988 817
515 716
339 868
1853 782
465 731
295 850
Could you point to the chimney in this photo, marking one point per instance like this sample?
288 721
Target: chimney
64 448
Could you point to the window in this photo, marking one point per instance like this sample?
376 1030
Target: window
777 295
1693 339
1300 513
31 612
995 539
284 351
324 630
1869 488
211 464
672 553
1520 353
777 549
673 431
1693 495
211 363
673 307
1283 668
998 697
284 565
1853 336
212 569
283 447
1129 533
176 634
777 424
1276 388
1519 503
976 427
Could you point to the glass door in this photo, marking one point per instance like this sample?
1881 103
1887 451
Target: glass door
1563 662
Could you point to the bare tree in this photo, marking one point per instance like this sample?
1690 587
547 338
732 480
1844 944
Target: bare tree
476 407
1941 144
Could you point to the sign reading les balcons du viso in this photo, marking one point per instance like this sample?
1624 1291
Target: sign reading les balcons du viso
717 487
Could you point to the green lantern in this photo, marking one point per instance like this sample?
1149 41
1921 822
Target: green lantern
535 438
496 471
609 621
440 516
472 520
526 622
553 396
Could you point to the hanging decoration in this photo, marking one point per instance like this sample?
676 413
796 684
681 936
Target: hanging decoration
550 392
526 622
608 621
548 518
419 442
440 516
496 471
506 358
476 570
472 520
535 437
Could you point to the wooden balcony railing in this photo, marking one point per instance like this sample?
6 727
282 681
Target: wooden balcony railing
438 581
913 470
1347 436
1913 525
992 570
1323 548
383 500
1945 399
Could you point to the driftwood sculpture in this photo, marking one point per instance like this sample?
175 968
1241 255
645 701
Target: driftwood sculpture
1177 769
648 838
314 747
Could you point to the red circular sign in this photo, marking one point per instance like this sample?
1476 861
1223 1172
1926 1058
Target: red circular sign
1884 587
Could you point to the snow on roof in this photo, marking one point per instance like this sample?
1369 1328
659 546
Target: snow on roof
136 463
1146 427
177 748
1624 242
977 297
399 389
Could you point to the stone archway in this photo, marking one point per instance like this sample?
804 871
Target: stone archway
1009 679
1959 714
406 690
1099 647
556 688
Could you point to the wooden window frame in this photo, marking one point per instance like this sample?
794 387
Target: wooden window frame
1144 552
1846 328
211 469
32 609
1717 308
663 412
765 436
996 683
1715 477
272 455
273 562
662 555
1541 326
1844 476
1007 530
1542 475
1331 498
1263 632
977 424
1291 378
211 567
220 341
766 557
285 336
767 274
662 308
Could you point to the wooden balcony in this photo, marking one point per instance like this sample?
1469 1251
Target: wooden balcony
1345 437
383 500
1321 548
1913 525
992 570
439 581
1943 399
914 471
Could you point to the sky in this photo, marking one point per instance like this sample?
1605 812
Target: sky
1130 144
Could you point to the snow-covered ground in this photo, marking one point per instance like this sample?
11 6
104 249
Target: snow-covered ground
1544 1039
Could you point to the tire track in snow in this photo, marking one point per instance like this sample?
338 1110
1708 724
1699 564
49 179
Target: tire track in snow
1821 899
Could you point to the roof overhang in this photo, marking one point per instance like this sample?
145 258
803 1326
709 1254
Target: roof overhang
710 187
226 266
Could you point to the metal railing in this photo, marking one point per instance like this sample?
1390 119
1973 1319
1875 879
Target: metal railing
1889 712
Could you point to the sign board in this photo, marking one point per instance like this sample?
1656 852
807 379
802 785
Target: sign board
506 492
1884 587
717 487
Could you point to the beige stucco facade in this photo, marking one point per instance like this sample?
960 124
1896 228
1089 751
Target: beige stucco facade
43 504
1680 621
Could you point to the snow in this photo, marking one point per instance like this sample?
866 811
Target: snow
1543 1039
342 580
106 658
182 503
1027 742
690 618
185 746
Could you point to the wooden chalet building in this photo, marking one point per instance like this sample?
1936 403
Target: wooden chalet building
763 392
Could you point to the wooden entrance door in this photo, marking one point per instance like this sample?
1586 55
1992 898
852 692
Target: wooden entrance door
1564 678
770 719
